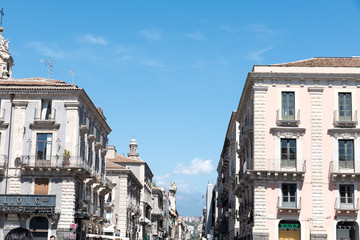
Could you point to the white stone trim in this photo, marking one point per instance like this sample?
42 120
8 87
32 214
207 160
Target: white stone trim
346 136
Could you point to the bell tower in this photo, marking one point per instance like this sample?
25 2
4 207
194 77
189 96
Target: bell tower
133 149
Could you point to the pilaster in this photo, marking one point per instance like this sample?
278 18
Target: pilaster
67 204
260 230
123 206
317 174
259 127
72 127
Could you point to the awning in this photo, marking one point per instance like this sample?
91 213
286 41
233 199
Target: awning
98 236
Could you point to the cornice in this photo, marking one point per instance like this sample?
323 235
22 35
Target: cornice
287 132
305 76
20 104
344 133
315 90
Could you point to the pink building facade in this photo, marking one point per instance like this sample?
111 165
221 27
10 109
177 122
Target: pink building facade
299 151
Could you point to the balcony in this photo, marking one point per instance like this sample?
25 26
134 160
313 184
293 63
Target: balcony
278 169
55 162
227 186
3 162
345 118
158 213
288 118
47 123
289 207
245 210
144 220
347 206
3 125
343 171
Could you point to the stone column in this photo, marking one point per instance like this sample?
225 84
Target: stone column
260 230
318 232
17 134
72 128
122 218
67 208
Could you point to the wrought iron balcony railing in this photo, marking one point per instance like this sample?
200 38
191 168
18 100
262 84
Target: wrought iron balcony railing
347 205
345 118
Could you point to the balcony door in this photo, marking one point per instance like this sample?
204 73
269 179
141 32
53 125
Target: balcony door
346 154
289 197
288 153
346 196
288 106
345 108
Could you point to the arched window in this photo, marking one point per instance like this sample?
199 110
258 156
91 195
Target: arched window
347 230
39 227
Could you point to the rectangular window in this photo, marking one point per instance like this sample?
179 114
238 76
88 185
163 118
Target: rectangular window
45 109
90 155
43 146
41 186
345 107
288 153
288 195
288 106
346 196
82 147
346 154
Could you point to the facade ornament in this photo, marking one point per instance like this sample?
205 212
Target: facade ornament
344 133
287 132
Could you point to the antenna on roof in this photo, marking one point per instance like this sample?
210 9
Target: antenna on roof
72 74
50 65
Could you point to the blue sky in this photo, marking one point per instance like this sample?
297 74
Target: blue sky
169 73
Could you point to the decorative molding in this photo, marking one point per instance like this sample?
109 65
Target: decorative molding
316 90
287 132
83 129
91 138
71 105
20 104
98 145
45 124
260 88
344 133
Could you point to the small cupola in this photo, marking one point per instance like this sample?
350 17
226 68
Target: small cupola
133 149
6 60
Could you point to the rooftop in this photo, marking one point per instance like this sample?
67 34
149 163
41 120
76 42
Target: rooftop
324 62
36 81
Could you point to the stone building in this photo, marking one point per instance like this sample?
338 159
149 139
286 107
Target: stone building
173 213
53 142
230 207
125 197
143 173
158 214
299 150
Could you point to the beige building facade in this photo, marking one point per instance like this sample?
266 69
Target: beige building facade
299 150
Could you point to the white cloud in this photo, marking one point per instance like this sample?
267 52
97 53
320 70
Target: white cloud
226 28
123 49
151 34
88 38
46 50
257 55
152 63
197 35
196 166
162 181
262 30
